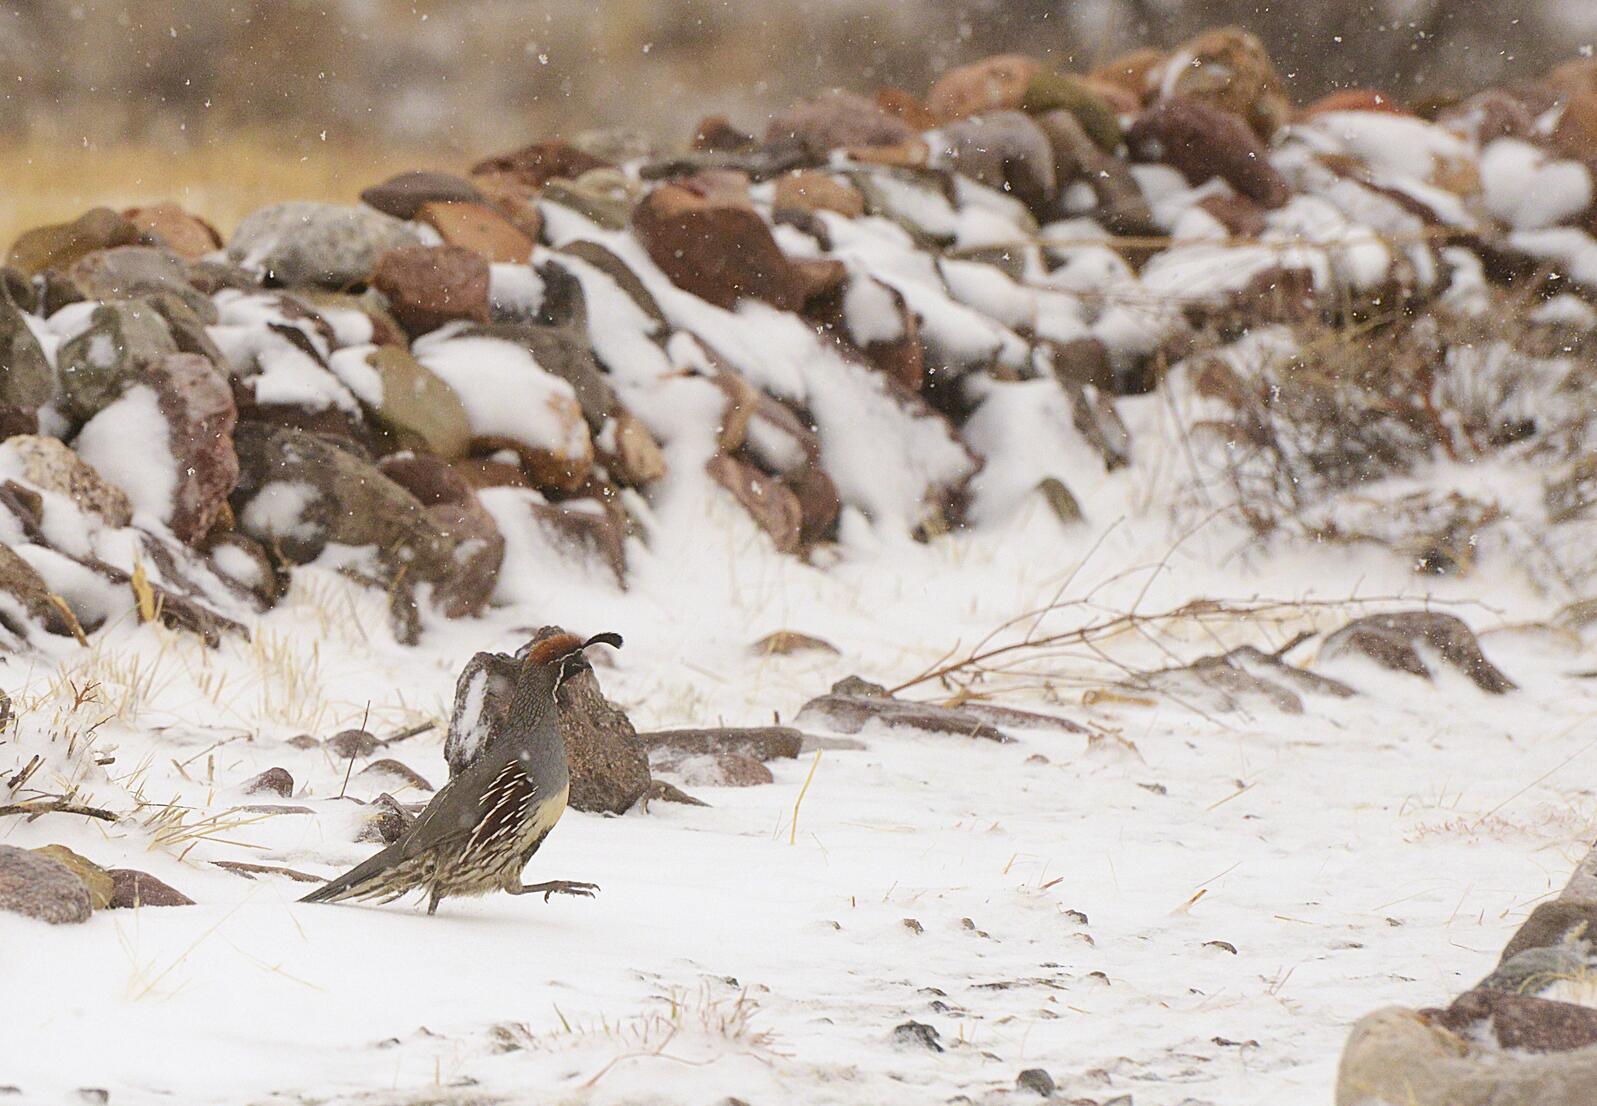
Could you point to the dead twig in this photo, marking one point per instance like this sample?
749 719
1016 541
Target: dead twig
37 807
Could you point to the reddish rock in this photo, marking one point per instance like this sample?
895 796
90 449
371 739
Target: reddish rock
132 888
716 133
1521 1022
200 416
273 781
806 191
59 245
1078 158
1132 72
478 228
714 245
595 534
1576 133
428 286
818 501
535 165
906 106
514 201
1241 217
483 472
430 479
478 554
992 84
1228 68
773 506
1353 99
403 195
1202 142
837 119
169 225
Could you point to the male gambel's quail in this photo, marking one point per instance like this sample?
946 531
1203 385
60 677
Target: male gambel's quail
480 830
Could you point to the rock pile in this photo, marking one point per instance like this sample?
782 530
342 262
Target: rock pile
837 323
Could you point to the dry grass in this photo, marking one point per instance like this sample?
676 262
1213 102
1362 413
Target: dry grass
222 181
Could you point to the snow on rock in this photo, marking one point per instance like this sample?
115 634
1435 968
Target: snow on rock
127 442
1528 190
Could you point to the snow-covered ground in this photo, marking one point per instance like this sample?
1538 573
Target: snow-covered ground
1191 907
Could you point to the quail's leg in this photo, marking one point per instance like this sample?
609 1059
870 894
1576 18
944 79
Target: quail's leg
432 902
555 887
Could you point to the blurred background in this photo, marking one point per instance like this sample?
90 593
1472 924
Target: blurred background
224 106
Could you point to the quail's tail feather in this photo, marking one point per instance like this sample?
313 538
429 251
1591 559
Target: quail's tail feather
364 880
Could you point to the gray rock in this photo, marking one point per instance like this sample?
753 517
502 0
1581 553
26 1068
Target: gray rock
132 272
760 742
1037 1081
1536 969
849 711
1390 641
919 1035
50 464
403 195
123 339
1005 150
38 887
331 245
26 379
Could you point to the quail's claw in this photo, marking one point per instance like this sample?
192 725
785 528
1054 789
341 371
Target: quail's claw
559 887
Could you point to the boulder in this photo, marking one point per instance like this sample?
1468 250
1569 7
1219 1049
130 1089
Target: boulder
26 378
169 226
59 245
992 84
1391 640
478 228
770 503
1229 69
50 464
132 889
123 339
417 408
428 286
1004 150
716 768
834 120
304 243
36 886
1077 157
518 205
1202 142
135 272
350 744
95 878
405 194
1134 73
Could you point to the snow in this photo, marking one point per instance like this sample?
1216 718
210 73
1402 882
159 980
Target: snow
279 509
505 392
128 444
1528 190
1391 145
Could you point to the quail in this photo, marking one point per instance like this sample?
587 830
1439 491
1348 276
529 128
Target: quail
479 831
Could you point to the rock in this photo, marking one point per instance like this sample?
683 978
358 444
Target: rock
387 821
1004 150
95 878
273 781
139 272
17 421
1054 92
330 245
132 889
1201 142
430 479
1535 969
562 351
1390 641
39 887
719 768
849 708
834 120
50 464
428 286
197 405
169 226
1575 136
123 339
533 166
395 772
245 561
1560 922
992 84
404 194
661 791
783 643
1521 1022
32 604
1393 1055
636 459
1229 69
770 503
1077 157
805 191
713 244
760 742
1353 99
1234 681
588 535
906 106
26 378
1061 501
349 744
1037 1081
1133 73
479 552
58 246
515 203
607 196
480 229
917 1034
716 132
418 408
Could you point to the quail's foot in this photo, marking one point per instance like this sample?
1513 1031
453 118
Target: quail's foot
555 887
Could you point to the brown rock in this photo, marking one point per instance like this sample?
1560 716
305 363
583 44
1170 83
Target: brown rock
1132 72
170 226
992 84
1202 142
910 154
906 106
1390 641
1082 101
834 120
479 553
428 286
32 604
396 772
200 416
852 705
95 878
773 506
661 791
1562 921
589 535
404 194
273 781
783 643
716 132
532 166
758 742
718 768
819 503
132 889
1576 133
637 459
1241 217
1521 1022
52 465
349 744
515 202
245 561
478 228
59 245
484 472
806 191
1007 151
1353 99
430 479
1229 69
711 243
387 820
418 409
37 886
